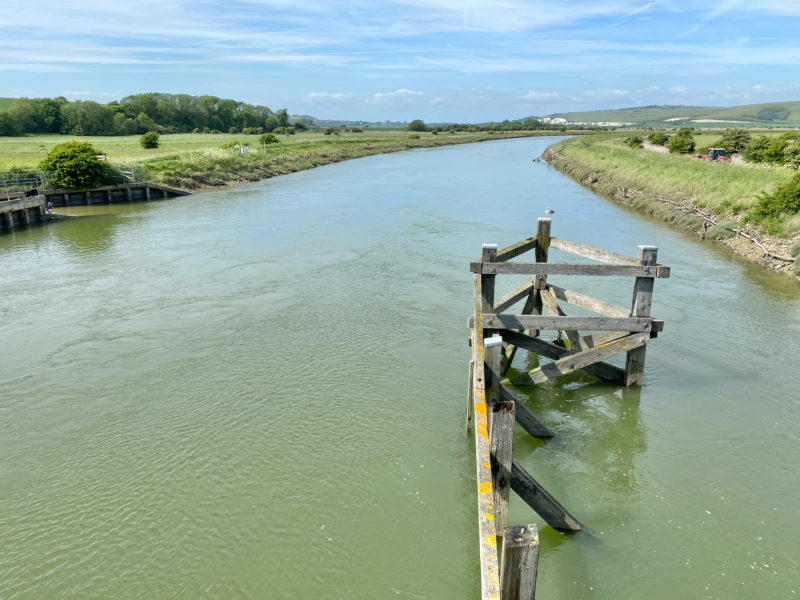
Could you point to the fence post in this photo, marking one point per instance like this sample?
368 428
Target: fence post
640 307
520 563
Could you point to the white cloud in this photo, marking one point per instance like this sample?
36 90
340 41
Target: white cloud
401 93
533 95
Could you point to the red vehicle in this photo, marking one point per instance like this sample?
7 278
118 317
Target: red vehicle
715 154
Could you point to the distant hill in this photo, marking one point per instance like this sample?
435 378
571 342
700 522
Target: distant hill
774 114
5 103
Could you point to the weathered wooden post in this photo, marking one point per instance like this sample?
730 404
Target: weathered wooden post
502 444
493 348
539 281
491 353
487 532
640 307
520 563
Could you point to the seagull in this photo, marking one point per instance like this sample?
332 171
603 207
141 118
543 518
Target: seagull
548 211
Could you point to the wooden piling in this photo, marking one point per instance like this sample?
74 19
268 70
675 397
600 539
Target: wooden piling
502 444
520 563
487 532
640 307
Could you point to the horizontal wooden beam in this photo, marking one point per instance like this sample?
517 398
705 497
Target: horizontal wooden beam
597 339
593 304
552 351
526 419
542 502
512 297
592 253
513 250
543 268
519 322
580 360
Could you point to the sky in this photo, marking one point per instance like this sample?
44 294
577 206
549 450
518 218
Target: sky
436 60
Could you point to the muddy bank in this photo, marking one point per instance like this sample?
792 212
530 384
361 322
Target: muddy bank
745 240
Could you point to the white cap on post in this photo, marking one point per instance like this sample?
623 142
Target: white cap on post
495 340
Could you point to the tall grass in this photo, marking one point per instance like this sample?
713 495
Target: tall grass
723 188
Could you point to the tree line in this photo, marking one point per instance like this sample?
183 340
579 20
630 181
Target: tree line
139 113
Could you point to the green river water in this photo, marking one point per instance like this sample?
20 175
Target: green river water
260 393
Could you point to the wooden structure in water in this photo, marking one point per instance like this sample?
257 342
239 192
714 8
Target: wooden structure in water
112 194
509 555
21 212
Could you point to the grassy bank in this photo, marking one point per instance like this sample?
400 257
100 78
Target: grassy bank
726 190
193 161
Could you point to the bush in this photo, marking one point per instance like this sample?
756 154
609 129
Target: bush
74 165
289 131
796 267
413 136
723 229
268 138
754 152
230 144
634 141
149 140
417 125
794 251
659 138
784 200
682 142
734 140
233 130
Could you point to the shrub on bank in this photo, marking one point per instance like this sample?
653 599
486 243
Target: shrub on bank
682 142
634 141
149 140
723 230
268 138
658 138
784 201
74 165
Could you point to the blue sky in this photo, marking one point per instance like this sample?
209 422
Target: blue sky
439 60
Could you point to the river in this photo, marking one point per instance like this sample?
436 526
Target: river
260 392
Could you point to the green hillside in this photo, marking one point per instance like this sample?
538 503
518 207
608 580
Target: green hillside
5 103
773 114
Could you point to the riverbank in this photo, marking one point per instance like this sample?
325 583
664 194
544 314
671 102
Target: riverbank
713 214
214 168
